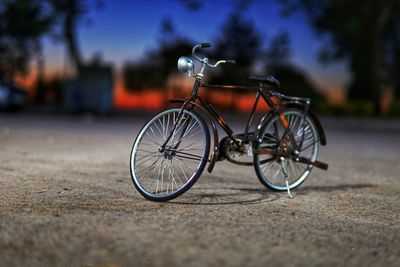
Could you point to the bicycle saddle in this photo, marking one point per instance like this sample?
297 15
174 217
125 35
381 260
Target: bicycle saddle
270 80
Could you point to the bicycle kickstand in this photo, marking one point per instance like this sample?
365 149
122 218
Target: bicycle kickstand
283 167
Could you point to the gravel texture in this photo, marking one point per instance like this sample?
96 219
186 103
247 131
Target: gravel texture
66 199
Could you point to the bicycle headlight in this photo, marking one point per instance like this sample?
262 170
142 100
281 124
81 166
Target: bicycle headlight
185 65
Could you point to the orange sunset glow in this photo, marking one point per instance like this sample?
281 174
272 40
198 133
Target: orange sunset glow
150 99
154 99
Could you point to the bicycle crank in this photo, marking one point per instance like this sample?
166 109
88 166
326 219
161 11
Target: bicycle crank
229 151
273 152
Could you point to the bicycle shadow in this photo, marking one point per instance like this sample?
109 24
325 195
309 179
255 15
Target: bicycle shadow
226 196
249 196
332 188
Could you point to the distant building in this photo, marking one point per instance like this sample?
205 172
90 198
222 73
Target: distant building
91 91
12 97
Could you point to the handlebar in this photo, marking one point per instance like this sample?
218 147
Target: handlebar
204 60
205 45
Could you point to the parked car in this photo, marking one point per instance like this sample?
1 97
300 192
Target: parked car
12 97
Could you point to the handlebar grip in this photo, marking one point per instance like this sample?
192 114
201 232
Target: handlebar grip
231 61
205 45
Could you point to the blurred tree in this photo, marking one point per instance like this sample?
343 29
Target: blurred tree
396 66
22 24
356 30
391 50
68 13
278 52
192 5
239 40
293 80
154 69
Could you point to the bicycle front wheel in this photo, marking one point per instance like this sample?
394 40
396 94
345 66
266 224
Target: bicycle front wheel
161 174
301 138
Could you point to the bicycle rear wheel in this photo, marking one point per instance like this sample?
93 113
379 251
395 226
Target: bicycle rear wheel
161 175
268 168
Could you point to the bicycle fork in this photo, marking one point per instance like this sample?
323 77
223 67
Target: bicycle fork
177 121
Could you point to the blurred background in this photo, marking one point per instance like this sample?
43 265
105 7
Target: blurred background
109 56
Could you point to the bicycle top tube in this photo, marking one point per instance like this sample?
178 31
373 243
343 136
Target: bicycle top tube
229 87
186 65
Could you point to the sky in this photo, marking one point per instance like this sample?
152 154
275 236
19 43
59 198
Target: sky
125 30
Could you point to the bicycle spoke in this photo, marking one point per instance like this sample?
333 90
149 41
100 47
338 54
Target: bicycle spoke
276 131
304 132
182 163
152 139
156 182
150 181
192 145
159 130
178 127
191 136
267 166
189 128
276 174
292 172
165 172
146 160
183 171
270 138
149 172
310 145
292 123
177 175
149 152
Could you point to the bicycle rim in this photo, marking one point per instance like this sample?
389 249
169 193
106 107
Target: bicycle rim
269 169
161 176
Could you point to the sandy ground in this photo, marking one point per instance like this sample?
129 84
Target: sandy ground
66 199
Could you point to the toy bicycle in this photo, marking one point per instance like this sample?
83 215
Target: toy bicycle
172 149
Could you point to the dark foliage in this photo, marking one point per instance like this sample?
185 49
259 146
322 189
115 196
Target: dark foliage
239 40
22 24
358 31
294 81
154 69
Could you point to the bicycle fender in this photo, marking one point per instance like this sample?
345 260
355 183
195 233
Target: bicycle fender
314 118
214 154
321 132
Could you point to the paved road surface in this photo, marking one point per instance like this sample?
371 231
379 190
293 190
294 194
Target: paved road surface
66 199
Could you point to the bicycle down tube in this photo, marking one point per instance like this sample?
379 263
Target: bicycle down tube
284 145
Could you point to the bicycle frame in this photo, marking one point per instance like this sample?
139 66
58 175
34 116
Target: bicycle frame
166 161
215 117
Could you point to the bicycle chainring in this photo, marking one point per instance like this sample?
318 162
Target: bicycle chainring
228 150
287 145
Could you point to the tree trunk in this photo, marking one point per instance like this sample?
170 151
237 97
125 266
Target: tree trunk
397 75
70 36
40 87
365 65
373 70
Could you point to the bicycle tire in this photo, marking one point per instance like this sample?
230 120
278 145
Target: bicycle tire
148 165
270 174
